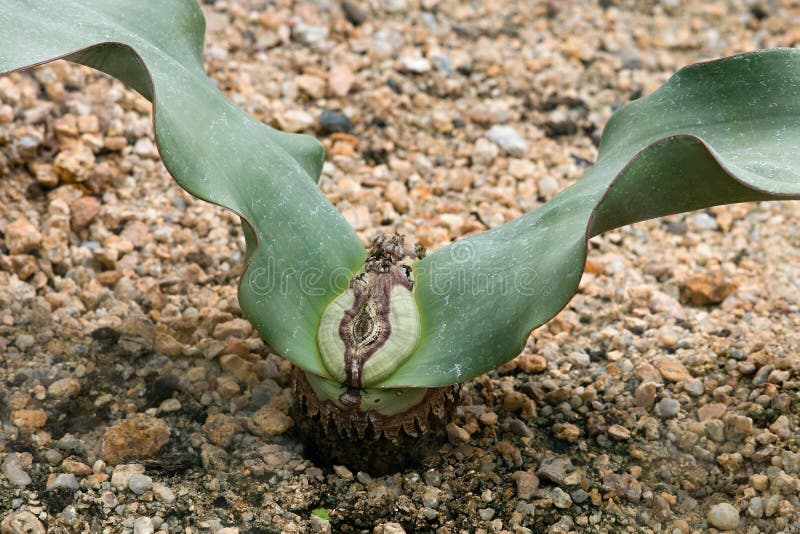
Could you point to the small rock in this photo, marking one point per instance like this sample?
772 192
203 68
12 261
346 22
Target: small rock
755 507
484 152
313 86
170 405
397 194
340 80
122 474
63 481
713 410
320 525
416 65
145 148
389 528
64 389
567 431
28 420
723 516
343 472
667 408
140 484
83 211
555 470
508 139
694 387
738 427
359 217
74 164
560 498
235 328
354 14
619 433
294 120
139 435
645 394
486 513
663 303
548 187
332 122
715 430
21 523
220 428
527 483
710 287
25 341
163 493
22 236
143 525
646 372
704 221
268 422
456 434
14 469
309 35
673 370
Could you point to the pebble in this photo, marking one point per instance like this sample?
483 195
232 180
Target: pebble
14 469
62 481
143 525
560 498
83 211
22 522
320 525
354 13
294 120
527 484
667 408
343 472
28 420
308 34
313 86
123 473
507 138
709 287
22 236
145 148
484 152
555 470
139 483
619 432
416 65
340 80
456 434
723 516
268 422
163 493
331 121
645 394
548 187
389 528
235 328
138 435
64 388
672 370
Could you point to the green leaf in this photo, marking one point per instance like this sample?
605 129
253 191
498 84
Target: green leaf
298 245
716 133
321 512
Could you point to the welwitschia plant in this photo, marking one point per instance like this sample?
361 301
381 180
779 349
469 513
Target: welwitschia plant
373 330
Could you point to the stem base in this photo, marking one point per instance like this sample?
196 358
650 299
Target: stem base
368 441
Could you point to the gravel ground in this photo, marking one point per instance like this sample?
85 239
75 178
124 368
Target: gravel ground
134 397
